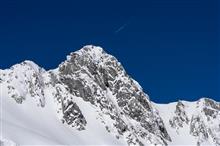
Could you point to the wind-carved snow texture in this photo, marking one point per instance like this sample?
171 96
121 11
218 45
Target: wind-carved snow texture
91 93
4 142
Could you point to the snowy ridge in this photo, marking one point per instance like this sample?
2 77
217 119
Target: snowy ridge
192 123
91 100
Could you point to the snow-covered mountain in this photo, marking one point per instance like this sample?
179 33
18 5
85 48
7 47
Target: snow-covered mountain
91 100
192 123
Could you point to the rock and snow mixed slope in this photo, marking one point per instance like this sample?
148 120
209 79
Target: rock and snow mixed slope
192 123
90 100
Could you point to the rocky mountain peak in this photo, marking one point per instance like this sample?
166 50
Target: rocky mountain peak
98 78
89 53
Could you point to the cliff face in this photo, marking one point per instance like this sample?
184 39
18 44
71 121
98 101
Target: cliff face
90 94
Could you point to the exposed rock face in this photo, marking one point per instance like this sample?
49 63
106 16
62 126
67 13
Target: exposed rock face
180 117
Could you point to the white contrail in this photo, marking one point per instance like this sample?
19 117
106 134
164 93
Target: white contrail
123 26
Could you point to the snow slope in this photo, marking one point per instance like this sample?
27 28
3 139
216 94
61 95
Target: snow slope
27 123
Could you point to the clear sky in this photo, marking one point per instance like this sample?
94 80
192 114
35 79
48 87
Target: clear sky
171 47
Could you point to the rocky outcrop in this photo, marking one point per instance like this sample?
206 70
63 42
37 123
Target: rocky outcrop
180 118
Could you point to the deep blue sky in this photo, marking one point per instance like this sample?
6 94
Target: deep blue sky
171 47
